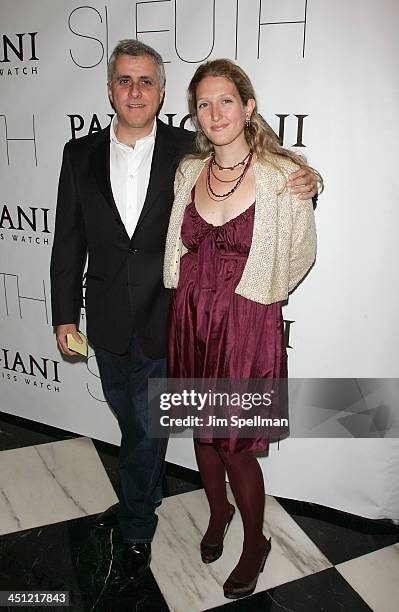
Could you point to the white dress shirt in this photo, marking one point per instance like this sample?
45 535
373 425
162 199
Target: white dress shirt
130 174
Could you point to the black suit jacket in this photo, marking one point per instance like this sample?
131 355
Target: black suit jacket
124 290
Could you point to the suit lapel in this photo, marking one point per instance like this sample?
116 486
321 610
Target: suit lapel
163 157
101 171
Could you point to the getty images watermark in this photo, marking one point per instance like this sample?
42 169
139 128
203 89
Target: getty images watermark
219 408
275 408
224 402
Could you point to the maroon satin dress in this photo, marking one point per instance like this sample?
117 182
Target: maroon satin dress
214 332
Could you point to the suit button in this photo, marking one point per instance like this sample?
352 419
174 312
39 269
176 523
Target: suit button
133 251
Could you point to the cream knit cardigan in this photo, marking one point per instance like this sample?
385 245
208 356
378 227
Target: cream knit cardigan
283 244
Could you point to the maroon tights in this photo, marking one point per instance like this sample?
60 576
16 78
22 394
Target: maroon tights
246 481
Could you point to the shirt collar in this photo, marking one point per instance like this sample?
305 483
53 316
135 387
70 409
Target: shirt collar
149 138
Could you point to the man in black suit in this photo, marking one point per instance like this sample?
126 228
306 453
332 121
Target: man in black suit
114 199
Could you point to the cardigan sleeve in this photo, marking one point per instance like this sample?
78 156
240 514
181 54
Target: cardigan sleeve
173 246
303 240
183 169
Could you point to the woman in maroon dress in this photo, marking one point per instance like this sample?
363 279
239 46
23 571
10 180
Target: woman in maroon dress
247 243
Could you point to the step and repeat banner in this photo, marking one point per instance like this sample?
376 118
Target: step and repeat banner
326 78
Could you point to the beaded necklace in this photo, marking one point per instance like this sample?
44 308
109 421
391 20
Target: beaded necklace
218 197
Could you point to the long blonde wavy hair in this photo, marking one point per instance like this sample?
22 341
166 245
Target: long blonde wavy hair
260 137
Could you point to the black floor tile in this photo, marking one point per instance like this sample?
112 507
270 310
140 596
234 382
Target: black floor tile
75 556
179 479
326 591
109 454
340 536
17 432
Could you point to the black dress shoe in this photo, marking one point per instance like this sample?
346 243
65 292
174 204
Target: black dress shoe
107 519
136 560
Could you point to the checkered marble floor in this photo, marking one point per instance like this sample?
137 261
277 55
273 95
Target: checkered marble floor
53 483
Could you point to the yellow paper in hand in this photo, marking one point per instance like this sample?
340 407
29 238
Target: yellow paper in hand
73 345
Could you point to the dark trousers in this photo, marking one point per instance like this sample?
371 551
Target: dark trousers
141 458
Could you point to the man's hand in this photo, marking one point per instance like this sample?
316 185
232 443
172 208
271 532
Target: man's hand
61 332
303 183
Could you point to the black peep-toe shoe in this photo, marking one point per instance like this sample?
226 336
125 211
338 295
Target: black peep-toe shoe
233 589
211 552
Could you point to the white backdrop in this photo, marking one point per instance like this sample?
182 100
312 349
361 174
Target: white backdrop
326 72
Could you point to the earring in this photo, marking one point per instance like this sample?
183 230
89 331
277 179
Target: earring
247 121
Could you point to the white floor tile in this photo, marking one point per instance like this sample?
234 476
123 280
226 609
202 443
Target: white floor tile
52 482
375 577
188 584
